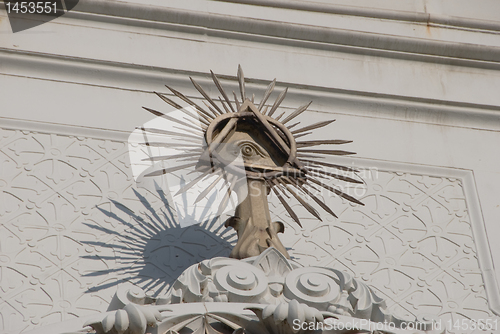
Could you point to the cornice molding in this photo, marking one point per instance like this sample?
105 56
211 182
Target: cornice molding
375 13
133 77
63 129
294 34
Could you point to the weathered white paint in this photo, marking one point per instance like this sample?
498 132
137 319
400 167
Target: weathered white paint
411 83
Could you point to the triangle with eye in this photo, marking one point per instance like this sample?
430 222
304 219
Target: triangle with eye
267 128
248 106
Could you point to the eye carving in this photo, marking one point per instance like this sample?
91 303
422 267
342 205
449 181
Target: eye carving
249 149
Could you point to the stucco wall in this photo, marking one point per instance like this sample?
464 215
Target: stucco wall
413 86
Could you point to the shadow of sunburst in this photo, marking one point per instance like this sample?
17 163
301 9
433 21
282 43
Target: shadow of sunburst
154 250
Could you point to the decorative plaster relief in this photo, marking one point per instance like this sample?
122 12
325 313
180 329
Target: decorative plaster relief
412 242
74 225
281 293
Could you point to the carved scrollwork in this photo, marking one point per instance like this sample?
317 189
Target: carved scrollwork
219 280
243 283
132 319
131 313
228 296
280 318
272 279
128 293
318 287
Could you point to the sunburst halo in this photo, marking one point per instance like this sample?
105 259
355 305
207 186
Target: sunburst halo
202 131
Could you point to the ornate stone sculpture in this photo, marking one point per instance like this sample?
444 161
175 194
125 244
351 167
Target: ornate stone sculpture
272 160
281 294
259 289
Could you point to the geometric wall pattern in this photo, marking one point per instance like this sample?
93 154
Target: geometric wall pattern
73 225
412 242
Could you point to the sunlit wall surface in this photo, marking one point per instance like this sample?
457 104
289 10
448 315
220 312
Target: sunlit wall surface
414 86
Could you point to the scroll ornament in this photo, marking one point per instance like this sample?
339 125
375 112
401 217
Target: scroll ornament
263 294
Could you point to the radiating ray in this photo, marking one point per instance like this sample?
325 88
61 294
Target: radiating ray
336 176
265 110
276 184
199 150
205 121
205 95
301 144
196 180
200 133
302 155
188 159
270 168
293 125
198 138
296 113
208 189
313 126
223 134
274 135
175 146
227 195
171 156
281 115
167 100
278 102
327 164
335 191
168 145
267 93
316 199
327 152
236 101
224 105
221 90
302 135
285 204
202 168
241 82
172 119
210 108
322 176
203 113
171 169
306 205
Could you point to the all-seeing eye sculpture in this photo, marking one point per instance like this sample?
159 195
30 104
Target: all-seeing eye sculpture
273 159
253 149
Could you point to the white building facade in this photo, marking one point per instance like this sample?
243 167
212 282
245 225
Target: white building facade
413 84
